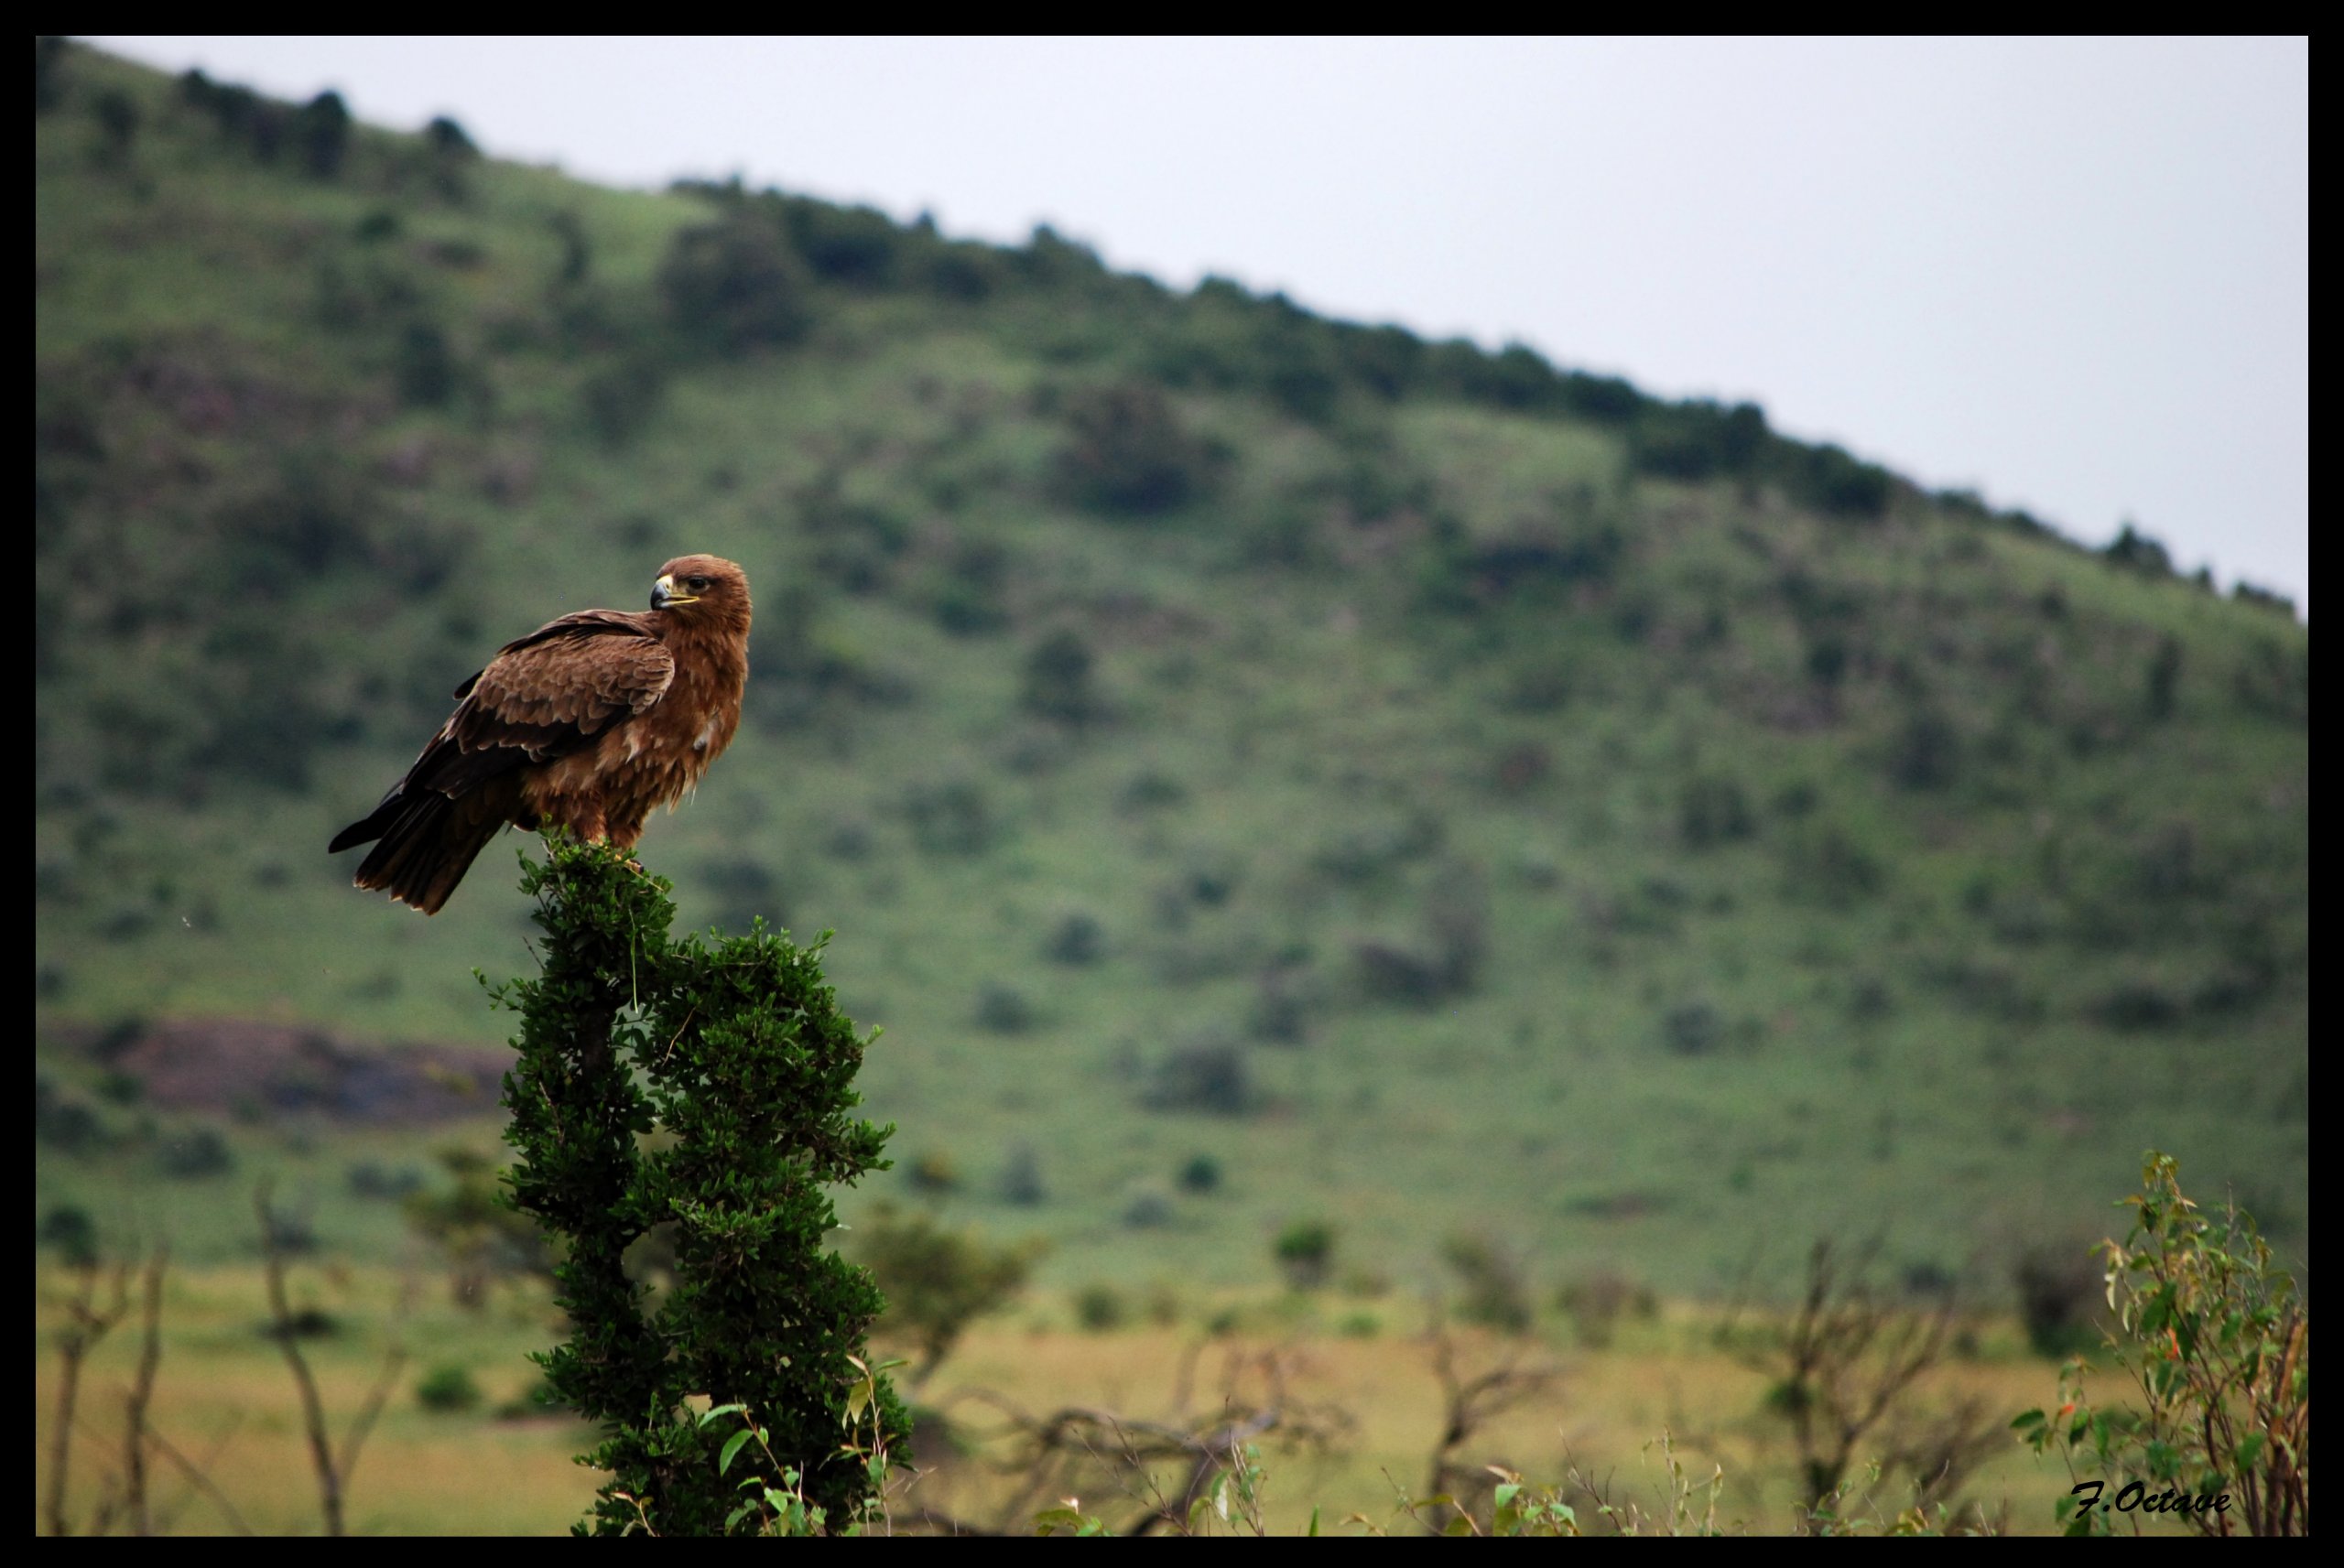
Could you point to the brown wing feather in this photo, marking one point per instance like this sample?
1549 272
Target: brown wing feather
561 685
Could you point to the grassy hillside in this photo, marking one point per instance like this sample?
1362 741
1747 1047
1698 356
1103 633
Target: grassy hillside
1257 768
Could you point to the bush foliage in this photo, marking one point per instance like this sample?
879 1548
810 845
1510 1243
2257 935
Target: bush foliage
734 1051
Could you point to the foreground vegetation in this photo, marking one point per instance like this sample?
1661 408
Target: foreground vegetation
1274 1413
489 1466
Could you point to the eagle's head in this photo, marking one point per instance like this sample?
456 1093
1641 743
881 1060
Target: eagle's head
704 589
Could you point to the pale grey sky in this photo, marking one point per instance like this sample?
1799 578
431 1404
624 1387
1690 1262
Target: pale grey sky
2072 274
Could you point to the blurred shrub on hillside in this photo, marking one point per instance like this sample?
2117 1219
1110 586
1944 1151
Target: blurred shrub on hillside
1058 683
735 286
1456 922
321 132
1148 1207
2160 681
117 113
2135 551
2138 1006
64 1122
620 398
1283 1000
1209 1073
2274 681
50 52
426 367
1925 753
1003 1009
1127 452
970 597
1713 810
1831 481
1697 439
950 817
1389 971
69 1228
1695 1029
1496 1293
449 138
857 246
1828 867
1078 940
1304 1251
1021 1178
196 1153
1201 1174
1365 853
2245 592
1596 1301
1536 562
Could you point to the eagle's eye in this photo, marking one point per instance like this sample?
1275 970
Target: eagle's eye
696 584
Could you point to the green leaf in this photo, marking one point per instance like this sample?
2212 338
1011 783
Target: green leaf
733 1446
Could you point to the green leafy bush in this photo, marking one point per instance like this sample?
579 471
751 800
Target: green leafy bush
2216 1342
735 1051
446 1390
1304 1251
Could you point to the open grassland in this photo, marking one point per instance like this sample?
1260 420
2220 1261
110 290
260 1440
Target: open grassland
1362 1408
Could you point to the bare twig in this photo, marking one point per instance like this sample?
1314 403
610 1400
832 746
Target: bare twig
313 1415
142 1393
198 1477
1469 1404
89 1324
393 1360
1845 1365
1051 1455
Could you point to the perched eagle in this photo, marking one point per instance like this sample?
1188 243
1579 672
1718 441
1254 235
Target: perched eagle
589 722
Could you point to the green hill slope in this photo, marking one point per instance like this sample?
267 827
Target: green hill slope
1257 767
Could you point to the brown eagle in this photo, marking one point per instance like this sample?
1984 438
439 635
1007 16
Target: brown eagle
589 722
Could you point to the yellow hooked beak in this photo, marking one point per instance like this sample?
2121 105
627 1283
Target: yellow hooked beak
663 594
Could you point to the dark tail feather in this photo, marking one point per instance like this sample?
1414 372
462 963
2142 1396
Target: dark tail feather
374 824
425 845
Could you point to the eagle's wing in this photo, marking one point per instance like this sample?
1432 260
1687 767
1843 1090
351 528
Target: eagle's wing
544 696
549 693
